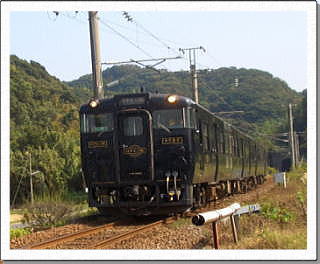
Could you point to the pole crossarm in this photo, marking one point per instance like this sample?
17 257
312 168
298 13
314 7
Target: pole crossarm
139 61
193 71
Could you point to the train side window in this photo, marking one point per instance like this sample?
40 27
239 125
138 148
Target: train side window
240 147
226 140
213 138
189 118
221 147
200 132
192 115
205 136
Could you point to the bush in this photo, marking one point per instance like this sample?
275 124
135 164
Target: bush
271 171
278 214
18 232
45 214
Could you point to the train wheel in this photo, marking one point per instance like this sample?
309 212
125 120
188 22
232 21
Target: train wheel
234 187
238 186
203 197
253 183
221 190
244 186
196 196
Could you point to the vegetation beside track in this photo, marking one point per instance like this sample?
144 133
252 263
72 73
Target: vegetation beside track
47 212
281 224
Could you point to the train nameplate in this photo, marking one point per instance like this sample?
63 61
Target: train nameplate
97 144
134 151
171 140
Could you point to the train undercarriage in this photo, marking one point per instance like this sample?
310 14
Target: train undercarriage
167 197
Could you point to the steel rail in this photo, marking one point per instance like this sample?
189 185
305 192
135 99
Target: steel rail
69 237
130 233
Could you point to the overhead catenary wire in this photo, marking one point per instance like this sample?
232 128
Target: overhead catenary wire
143 30
125 38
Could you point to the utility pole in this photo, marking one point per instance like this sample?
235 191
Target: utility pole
297 144
291 139
95 56
31 174
31 185
193 71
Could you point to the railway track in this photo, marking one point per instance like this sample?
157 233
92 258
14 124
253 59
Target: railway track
103 236
98 237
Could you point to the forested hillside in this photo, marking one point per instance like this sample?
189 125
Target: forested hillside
260 95
45 124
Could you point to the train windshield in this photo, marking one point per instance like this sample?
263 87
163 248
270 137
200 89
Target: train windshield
171 118
93 123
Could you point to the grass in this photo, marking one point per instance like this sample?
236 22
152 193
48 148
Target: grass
51 211
282 223
180 222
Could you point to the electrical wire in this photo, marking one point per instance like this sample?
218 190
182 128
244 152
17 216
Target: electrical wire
153 35
125 38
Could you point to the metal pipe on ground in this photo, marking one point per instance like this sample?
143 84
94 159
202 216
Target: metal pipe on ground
212 216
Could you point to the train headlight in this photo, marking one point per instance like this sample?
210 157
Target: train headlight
172 99
93 103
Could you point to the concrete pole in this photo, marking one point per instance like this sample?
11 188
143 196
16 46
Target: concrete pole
31 184
194 77
297 146
95 56
291 139
194 83
193 71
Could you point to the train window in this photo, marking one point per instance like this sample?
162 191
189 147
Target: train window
213 138
221 140
133 126
226 140
231 144
193 120
205 136
94 123
169 118
236 149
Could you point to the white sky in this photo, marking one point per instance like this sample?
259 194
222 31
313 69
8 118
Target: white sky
273 41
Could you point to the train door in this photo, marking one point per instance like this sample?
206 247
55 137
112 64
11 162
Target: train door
135 141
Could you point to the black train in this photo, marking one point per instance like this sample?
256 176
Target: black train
160 154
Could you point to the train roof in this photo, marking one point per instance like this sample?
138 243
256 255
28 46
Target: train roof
226 124
136 99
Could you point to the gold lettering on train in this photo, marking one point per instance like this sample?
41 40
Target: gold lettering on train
134 151
171 140
97 144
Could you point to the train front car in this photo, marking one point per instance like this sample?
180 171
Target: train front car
136 153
